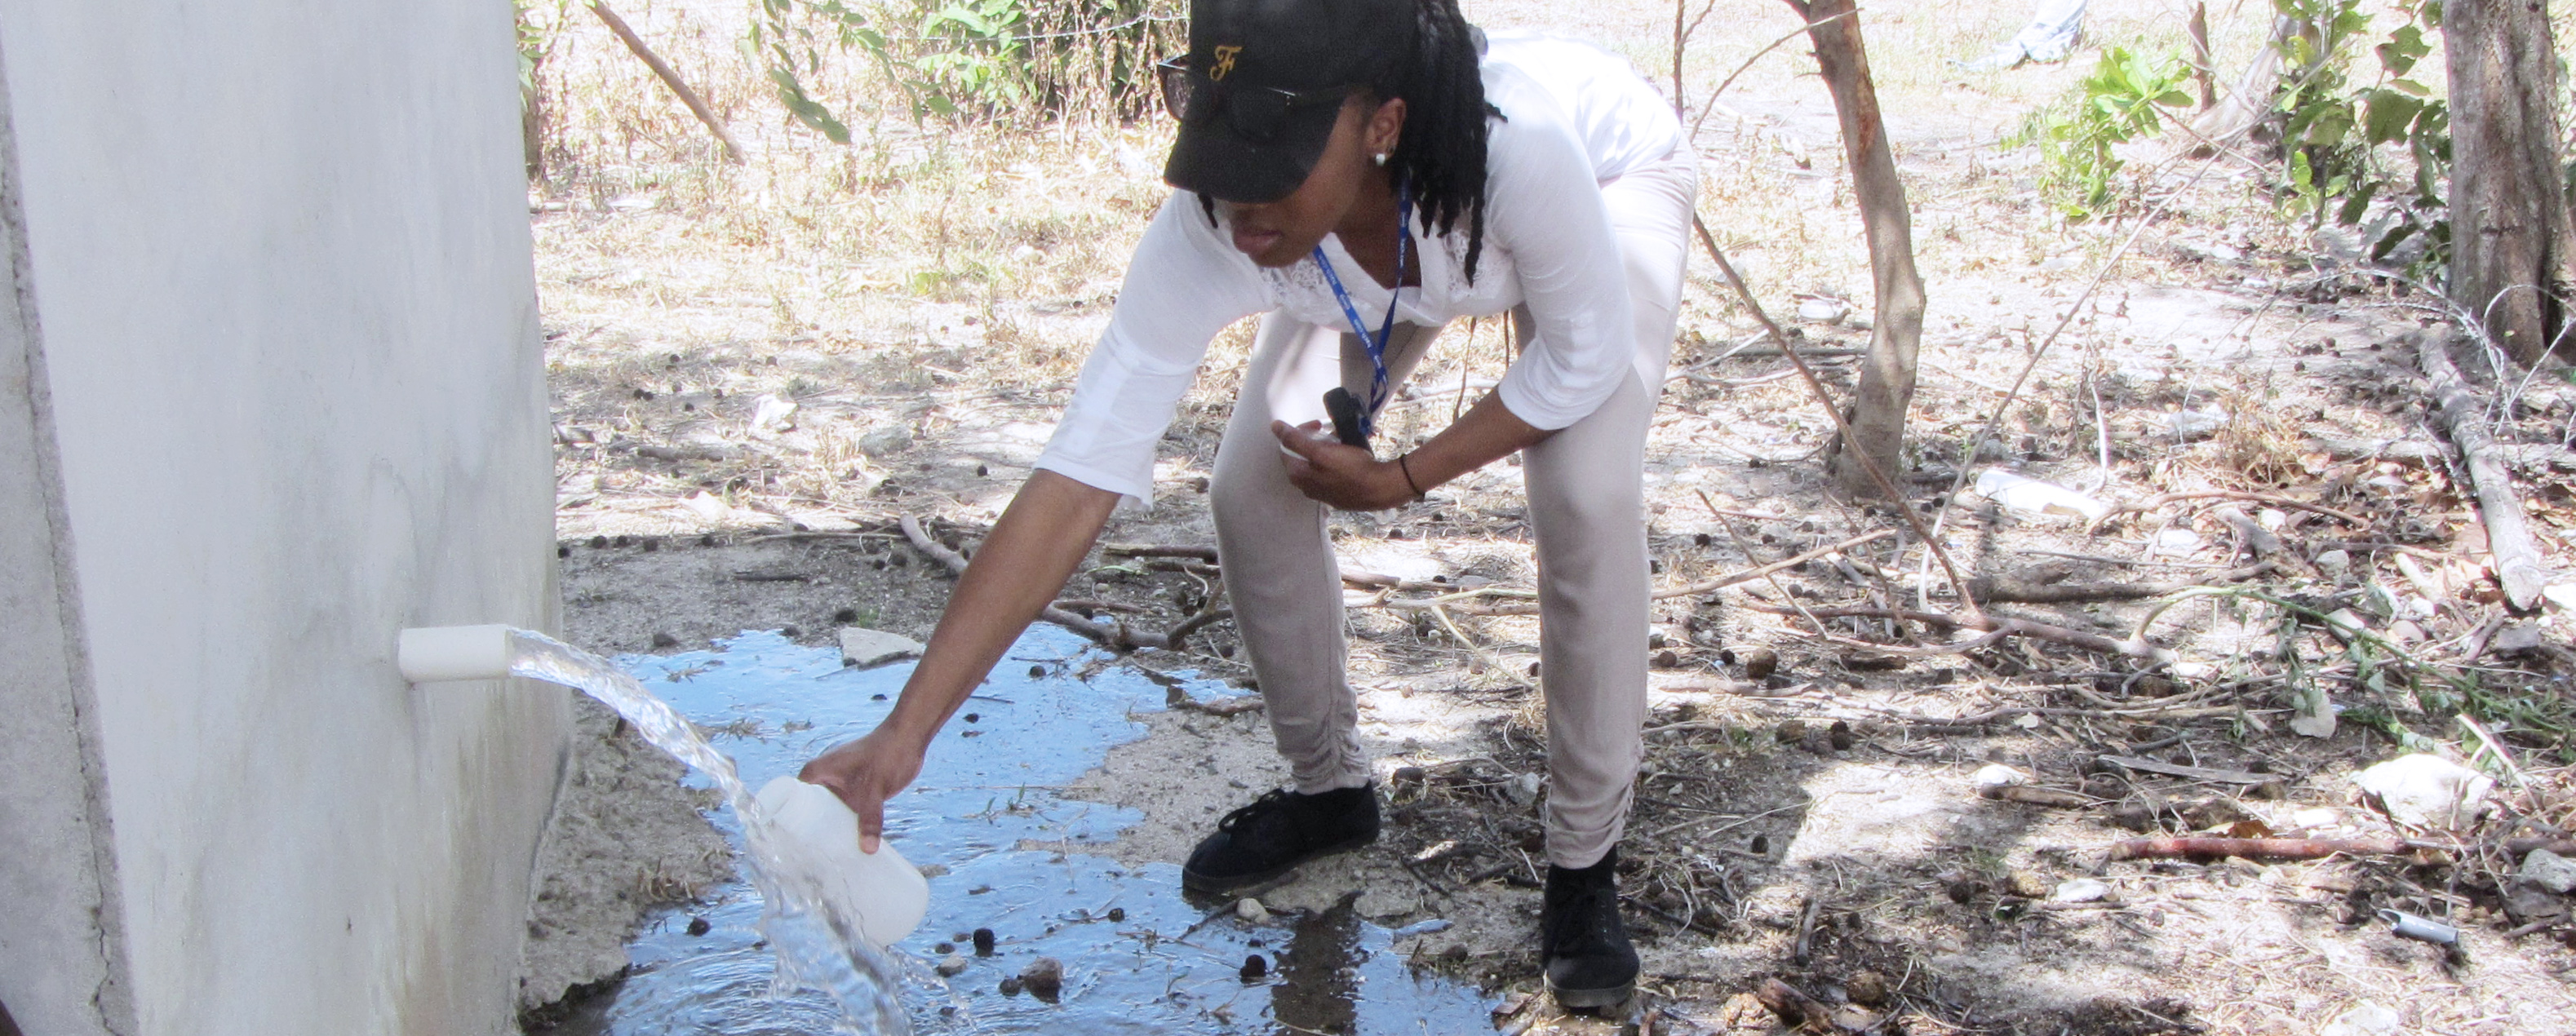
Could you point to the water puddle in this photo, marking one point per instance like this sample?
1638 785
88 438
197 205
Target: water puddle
1137 957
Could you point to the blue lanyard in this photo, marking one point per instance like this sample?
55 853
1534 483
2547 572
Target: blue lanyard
1376 345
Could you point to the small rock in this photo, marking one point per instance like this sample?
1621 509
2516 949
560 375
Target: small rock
1759 663
699 926
1044 978
1524 788
1254 967
1011 985
1667 659
2520 638
983 939
2334 562
950 965
2545 869
884 441
1840 734
1251 910
1867 988
664 639
867 647
1117 914
1790 731
2028 884
2080 890
1406 777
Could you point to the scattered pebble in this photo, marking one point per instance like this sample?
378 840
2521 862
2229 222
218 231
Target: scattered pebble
2549 870
1759 663
1251 910
1866 988
1117 914
664 639
1255 966
1044 978
951 965
700 926
1011 985
983 942
1667 659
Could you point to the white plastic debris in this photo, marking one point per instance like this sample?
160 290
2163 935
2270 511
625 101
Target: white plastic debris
2033 496
867 647
2545 869
770 415
2366 1020
1998 775
2426 790
1822 309
2081 890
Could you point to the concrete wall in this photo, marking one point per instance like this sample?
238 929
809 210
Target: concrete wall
271 390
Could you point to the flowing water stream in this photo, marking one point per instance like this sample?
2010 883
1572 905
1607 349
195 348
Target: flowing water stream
990 821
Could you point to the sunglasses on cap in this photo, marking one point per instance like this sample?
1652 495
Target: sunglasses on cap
1256 114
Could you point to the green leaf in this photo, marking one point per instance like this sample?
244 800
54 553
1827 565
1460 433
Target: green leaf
2390 114
2404 47
2411 87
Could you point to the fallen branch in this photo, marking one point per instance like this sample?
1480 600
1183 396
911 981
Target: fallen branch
1158 550
2257 848
1116 635
670 78
2509 540
1794 1008
2197 773
2036 796
2007 589
2003 626
2273 499
1750 574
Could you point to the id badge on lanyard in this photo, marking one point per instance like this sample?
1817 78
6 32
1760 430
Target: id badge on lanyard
1354 422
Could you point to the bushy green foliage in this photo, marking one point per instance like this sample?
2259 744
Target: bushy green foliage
2340 141
969 59
2121 101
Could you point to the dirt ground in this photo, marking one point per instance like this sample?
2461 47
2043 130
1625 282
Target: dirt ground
2239 387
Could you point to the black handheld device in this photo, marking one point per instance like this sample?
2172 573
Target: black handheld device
1345 409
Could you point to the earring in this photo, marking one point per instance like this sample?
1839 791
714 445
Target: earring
1381 158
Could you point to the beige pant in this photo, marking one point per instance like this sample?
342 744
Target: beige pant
1586 489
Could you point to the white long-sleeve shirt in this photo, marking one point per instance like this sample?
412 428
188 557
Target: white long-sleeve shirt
1575 118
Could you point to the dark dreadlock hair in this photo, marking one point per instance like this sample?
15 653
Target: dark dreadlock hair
1441 156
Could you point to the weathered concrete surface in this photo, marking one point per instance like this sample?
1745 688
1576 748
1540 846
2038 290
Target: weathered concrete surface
276 276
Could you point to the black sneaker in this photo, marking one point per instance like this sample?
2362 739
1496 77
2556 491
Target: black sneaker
1582 944
1277 832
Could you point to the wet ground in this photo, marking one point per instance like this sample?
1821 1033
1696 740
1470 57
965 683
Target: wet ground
984 820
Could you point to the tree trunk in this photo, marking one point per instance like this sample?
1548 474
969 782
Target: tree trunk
2510 238
1887 374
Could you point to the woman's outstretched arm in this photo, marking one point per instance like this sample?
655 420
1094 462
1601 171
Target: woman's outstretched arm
1046 531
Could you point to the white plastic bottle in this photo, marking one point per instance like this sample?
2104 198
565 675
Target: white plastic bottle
817 839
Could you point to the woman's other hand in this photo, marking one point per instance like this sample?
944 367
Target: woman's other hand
867 772
1339 475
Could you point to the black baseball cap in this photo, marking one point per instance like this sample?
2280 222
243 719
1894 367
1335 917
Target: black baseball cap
1265 78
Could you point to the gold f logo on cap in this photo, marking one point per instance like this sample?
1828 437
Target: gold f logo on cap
1224 62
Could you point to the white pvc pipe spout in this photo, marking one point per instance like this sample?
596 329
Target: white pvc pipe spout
438 653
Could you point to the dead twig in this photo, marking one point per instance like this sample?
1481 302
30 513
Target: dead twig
2275 500
2135 647
1115 635
2257 848
670 78
2006 589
